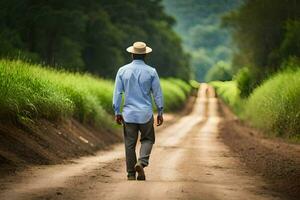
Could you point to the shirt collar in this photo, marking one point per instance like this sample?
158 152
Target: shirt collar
138 62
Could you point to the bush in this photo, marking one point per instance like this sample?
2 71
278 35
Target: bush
185 87
290 46
244 82
229 93
275 105
174 96
194 84
219 72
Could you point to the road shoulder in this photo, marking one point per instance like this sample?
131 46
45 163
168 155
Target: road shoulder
275 160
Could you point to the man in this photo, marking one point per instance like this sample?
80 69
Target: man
137 81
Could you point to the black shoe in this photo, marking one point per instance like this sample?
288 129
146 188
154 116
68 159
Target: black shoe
140 170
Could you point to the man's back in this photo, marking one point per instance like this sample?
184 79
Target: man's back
137 80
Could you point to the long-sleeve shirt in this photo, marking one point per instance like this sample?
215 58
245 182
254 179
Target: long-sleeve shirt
137 81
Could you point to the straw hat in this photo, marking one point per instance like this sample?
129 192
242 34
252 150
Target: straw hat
139 48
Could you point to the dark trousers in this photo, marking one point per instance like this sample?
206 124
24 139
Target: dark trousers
131 131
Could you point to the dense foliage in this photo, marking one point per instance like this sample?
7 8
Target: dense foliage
244 82
266 33
29 92
220 71
229 93
273 106
90 35
199 26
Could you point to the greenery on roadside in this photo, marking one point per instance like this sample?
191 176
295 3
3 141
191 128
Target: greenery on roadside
30 92
220 71
175 93
229 93
273 107
244 82
265 34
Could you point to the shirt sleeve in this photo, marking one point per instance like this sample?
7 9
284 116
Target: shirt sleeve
157 93
117 95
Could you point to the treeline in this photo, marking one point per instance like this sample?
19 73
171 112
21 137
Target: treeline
90 35
265 90
266 34
199 26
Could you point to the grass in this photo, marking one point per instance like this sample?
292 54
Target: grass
30 92
175 93
273 107
229 93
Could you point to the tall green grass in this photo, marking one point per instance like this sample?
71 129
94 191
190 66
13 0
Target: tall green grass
273 107
175 93
229 93
29 92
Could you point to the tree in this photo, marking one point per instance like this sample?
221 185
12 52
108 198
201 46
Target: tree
260 33
90 35
199 26
220 71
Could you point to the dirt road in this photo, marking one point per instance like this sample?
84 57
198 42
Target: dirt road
189 161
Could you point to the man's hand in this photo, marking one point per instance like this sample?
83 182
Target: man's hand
160 120
119 119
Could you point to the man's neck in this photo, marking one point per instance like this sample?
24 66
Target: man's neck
138 60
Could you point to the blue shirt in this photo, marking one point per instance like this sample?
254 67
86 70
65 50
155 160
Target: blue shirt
137 81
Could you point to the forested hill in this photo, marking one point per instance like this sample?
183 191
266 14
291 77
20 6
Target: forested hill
90 35
199 25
